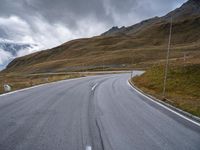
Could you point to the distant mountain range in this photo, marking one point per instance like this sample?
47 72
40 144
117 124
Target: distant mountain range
139 45
10 49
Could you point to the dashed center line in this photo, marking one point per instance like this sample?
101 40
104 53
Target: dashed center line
93 88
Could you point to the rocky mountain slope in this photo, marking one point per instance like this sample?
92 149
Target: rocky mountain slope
191 9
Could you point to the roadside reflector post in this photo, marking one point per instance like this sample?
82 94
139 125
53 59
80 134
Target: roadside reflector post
131 74
131 67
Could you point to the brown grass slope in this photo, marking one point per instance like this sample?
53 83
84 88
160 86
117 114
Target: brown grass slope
140 45
182 88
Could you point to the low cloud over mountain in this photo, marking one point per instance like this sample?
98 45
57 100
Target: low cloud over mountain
9 50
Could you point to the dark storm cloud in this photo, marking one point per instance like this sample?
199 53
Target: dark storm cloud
76 18
68 12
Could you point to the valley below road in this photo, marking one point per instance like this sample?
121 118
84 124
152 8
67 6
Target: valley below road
100 112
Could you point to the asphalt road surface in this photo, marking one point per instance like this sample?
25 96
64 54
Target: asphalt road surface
91 113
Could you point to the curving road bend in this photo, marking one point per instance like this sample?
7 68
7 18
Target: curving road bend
91 113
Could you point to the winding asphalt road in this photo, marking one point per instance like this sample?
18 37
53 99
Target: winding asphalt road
91 113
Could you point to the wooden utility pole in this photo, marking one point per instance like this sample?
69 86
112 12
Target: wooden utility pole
167 60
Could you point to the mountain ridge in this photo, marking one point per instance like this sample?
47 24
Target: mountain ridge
188 9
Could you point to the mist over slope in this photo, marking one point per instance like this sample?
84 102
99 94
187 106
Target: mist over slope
10 49
140 45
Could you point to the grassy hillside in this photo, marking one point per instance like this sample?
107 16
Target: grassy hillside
183 85
130 50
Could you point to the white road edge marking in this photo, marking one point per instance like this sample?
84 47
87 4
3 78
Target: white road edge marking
93 88
21 90
88 148
180 115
